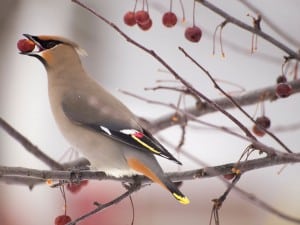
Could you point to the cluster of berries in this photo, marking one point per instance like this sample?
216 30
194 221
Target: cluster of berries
283 90
169 19
141 18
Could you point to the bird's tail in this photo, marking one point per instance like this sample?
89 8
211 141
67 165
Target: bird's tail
175 191
157 177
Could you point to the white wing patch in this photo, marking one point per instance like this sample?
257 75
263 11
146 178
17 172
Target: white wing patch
128 131
106 130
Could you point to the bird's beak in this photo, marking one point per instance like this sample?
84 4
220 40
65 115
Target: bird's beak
36 41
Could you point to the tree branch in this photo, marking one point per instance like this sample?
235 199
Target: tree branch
152 53
206 172
100 207
248 98
239 23
34 150
31 177
270 23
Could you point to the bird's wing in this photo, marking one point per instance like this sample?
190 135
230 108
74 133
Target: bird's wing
94 113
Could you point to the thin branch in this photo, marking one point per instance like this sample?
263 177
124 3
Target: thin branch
170 69
231 99
270 23
101 207
206 172
239 23
183 115
30 174
15 172
248 98
218 202
34 150
174 73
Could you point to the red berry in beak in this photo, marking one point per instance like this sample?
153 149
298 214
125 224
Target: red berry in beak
25 45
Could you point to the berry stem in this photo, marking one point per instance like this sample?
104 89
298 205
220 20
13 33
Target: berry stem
62 190
135 4
194 13
262 108
171 5
214 40
182 9
145 3
220 26
220 39
295 77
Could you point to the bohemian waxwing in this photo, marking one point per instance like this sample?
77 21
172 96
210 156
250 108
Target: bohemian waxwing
95 122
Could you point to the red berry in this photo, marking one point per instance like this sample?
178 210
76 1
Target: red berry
129 18
281 79
25 45
283 90
258 131
261 122
193 34
84 182
74 188
142 17
229 176
62 220
146 26
169 19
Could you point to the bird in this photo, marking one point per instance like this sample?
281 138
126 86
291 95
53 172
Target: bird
95 122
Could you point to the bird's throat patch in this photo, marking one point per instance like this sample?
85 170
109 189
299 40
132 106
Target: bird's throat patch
47 57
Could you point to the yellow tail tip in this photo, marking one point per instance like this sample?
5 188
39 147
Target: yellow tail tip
182 199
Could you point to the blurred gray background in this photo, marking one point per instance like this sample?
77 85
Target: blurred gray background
118 65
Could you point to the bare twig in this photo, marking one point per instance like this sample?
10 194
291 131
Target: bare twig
181 116
279 158
270 23
206 172
34 150
218 202
231 99
25 175
170 69
247 98
239 23
101 207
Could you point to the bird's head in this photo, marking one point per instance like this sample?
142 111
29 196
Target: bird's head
52 49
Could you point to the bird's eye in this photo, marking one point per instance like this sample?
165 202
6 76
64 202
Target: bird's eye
50 44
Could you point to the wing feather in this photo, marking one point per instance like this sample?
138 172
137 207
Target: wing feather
94 114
